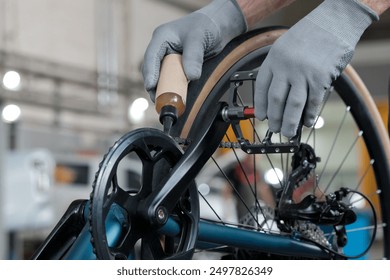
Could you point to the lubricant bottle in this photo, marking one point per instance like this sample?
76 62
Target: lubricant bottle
171 91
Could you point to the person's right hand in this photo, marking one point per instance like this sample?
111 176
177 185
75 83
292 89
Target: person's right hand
201 34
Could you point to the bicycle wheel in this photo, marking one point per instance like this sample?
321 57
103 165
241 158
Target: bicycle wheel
353 146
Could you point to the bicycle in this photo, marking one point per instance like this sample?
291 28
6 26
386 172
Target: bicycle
158 216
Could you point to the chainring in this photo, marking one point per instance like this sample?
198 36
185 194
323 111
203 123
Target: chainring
114 202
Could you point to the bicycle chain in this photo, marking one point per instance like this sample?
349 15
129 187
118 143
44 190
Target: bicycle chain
227 145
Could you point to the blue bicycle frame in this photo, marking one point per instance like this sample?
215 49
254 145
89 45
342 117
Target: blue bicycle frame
210 235
71 237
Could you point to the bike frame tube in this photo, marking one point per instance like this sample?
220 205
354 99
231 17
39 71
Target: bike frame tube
248 239
82 247
212 234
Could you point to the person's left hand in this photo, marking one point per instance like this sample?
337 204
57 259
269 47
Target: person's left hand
303 63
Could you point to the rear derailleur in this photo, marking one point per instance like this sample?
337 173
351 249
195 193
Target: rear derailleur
322 210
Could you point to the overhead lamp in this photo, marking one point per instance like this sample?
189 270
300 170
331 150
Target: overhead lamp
11 113
11 80
137 109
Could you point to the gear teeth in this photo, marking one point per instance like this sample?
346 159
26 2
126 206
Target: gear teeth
312 232
171 150
91 195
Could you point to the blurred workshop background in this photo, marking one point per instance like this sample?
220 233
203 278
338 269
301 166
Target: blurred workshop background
70 85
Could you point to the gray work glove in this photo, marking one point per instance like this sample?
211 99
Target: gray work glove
303 63
201 34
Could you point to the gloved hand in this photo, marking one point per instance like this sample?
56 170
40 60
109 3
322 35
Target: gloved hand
199 35
303 63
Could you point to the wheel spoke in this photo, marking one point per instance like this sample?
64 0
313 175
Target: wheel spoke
368 168
343 160
339 129
239 196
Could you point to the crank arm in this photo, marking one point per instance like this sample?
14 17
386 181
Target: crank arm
157 206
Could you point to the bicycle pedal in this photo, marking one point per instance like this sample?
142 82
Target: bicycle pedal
269 148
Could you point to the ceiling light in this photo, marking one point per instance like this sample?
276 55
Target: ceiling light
11 113
11 80
137 109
